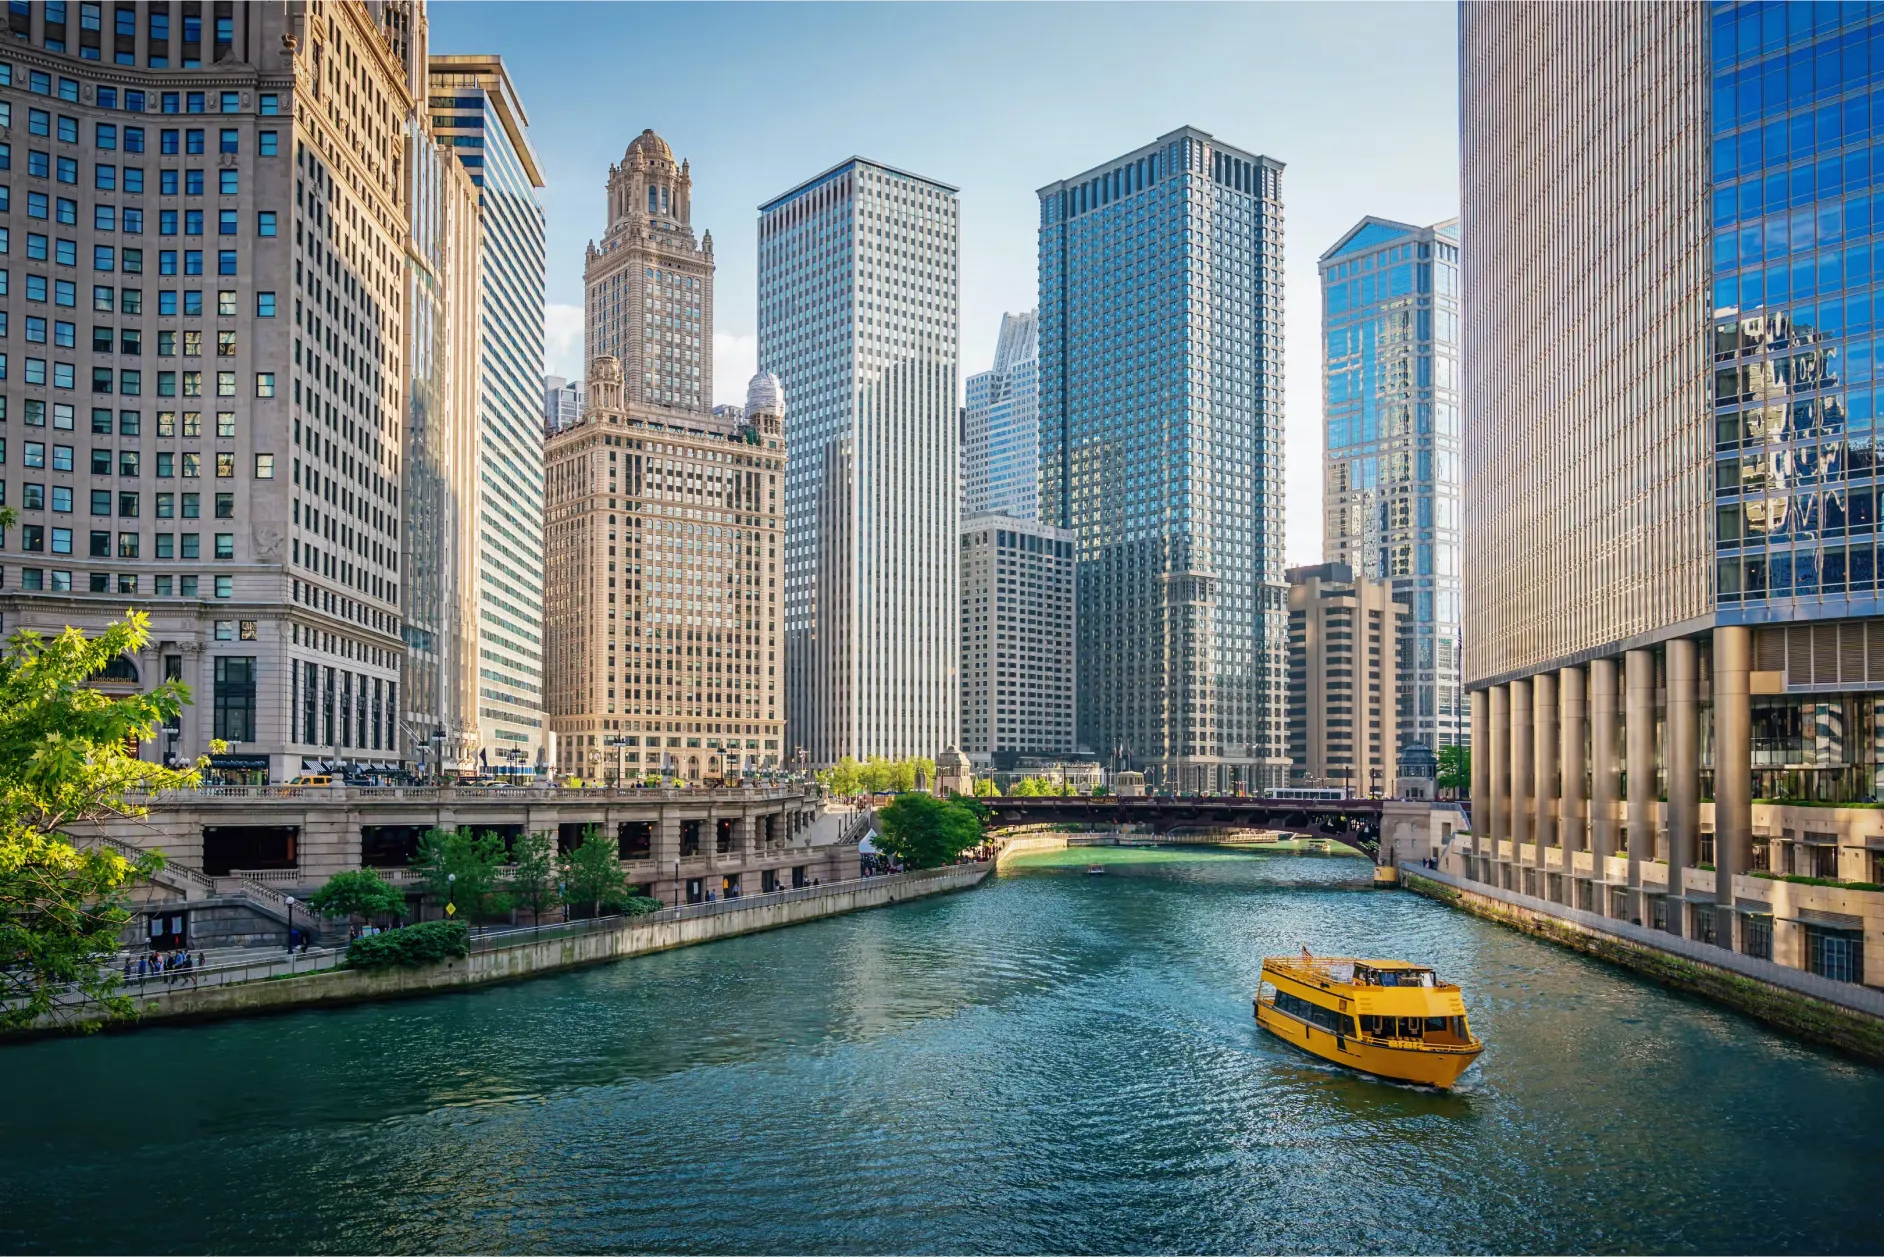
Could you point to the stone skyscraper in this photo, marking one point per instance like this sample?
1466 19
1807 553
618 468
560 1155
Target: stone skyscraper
1390 476
1161 448
648 287
858 301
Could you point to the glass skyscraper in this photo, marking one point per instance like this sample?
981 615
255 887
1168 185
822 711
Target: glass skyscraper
1390 475
1161 447
1001 426
858 302
476 113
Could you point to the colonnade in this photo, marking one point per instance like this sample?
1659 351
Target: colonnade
1566 759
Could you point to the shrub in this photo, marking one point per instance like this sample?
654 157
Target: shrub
639 905
426 943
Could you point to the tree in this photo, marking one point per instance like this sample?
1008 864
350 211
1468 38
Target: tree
1455 768
68 754
532 882
875 775
902 775
1033 787
921 831
925 771
592 874
357 893
461 869
843 779
984 788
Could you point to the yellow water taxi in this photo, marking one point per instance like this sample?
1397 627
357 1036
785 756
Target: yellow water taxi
1383 1017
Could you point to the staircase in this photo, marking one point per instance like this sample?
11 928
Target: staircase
194 886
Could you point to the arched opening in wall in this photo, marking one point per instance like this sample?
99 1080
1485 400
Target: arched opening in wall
693 768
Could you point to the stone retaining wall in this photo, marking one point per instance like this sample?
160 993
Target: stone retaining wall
343 986
1852 1029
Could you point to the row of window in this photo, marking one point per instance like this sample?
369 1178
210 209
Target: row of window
170 301
106 135
130 422
33 498
33 579
106 218
38 539
107 258
129 381
167 466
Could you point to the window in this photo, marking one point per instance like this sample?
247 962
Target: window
191 545
105 135
269 143
226 223
229 139
104 218
192 302
127 505
127 545
264 466
235 692
226 380
127 462
264 383
166 422
192 183
68 130
104 257
225 465
192 505
166 505
225 586
65 170
101 503
229 182
265 305
225 425
167 182
100 547
225 506
225 263
225 545
193 138
105 178
101 376
134 179
265 223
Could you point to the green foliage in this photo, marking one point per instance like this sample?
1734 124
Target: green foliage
532 882
985 788
357 893
65 757
1455 768
427 943
925 771
474 862
639 906
843 779
924 832
1034 788
1803 880
1100 791
592 875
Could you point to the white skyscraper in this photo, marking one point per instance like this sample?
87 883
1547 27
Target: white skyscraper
1001 428
858 302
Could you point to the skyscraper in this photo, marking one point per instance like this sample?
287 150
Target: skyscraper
858 300
1390 473
1344 634
476 110
1161 447
562 403
243 224
1675 528
648 287
1001 426
1018 687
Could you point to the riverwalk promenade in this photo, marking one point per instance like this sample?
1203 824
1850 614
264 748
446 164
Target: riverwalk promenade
284 981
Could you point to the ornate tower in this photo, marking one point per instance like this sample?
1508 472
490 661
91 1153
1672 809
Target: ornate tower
648 286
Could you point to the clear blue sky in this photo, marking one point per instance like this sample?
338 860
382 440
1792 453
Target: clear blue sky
1360 101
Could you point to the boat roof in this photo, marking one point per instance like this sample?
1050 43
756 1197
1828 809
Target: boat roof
1398 966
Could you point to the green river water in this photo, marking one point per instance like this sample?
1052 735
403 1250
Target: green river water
1051 1062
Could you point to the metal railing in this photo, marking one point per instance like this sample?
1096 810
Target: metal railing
471 794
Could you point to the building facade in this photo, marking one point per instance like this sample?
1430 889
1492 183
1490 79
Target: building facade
1390 467
233 215
476 112
1160 385
858 317
562 403
1001 426
1344 642
648 287
439 541
1668 551
662 594
1019 601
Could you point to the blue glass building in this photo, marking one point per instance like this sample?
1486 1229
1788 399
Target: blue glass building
1390 476
1161 447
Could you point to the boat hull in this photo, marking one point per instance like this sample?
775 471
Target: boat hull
1425 1066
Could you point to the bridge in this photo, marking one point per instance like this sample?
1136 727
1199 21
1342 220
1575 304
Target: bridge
1353 822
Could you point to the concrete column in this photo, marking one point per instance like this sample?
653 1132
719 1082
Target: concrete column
1733 769
1605 767
1639 735
1481 770
1683 766
1523 765
1497 752
1572 717
1544 768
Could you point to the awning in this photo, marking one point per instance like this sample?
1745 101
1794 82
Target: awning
1826 920
313 766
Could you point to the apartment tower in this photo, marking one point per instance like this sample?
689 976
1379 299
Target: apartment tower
1344 638
858 300
1018 599
1160 386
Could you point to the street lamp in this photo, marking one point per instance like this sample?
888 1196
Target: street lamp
290 899
451 895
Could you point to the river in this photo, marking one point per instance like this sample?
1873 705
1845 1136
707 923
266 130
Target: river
1052 1062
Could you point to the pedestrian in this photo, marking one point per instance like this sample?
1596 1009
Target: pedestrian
143 966
127 967
199 960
